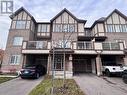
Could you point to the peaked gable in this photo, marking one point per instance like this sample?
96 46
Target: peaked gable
117 12
108 20
116 17
18 12
69 13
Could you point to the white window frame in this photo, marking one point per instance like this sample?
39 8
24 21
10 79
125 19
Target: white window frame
16 60
20 24
17 42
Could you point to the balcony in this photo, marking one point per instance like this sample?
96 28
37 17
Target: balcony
36 47
87 35
76 47
82 47
100 36
93 47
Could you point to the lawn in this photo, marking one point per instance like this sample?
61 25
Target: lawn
4 79
71 88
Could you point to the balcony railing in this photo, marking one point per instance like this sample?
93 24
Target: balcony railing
76 45
61 44
84 45
86 34
111 46
36 45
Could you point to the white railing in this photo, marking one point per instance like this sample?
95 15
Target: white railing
82 45
35 45
79 45
110 46
86 34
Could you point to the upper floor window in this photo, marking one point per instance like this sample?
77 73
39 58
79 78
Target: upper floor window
71 28
17 41
20 24
15 59
42 28
117 28
64 28
58 28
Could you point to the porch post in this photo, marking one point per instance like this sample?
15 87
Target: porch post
24 60
49 64
70 67
125 60
99 65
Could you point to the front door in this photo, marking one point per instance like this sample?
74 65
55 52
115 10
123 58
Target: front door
58 62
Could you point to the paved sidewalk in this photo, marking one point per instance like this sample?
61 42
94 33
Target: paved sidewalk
18 86
93 85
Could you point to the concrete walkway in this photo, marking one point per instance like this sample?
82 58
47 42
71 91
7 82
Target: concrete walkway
18 86
93 85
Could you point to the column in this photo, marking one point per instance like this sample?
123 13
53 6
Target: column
24 61
98 65
125 60
70 67
49 64
93 66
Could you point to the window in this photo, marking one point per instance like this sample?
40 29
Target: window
39 28
17 41
28 25
63 28
117 28
58 28
110 28
15 59
71 28
42 28
20 24
124 28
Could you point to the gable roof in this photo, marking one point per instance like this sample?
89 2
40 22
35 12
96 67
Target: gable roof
19 10
102 19
118 12
65 10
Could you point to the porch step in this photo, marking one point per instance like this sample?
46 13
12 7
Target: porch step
59 74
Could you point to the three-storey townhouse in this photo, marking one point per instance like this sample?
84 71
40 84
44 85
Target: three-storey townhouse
86 49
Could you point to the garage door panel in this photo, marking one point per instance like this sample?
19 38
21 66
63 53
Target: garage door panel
82 66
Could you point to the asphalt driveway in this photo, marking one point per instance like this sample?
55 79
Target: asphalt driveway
18 86
93 85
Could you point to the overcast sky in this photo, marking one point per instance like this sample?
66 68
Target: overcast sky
44 10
